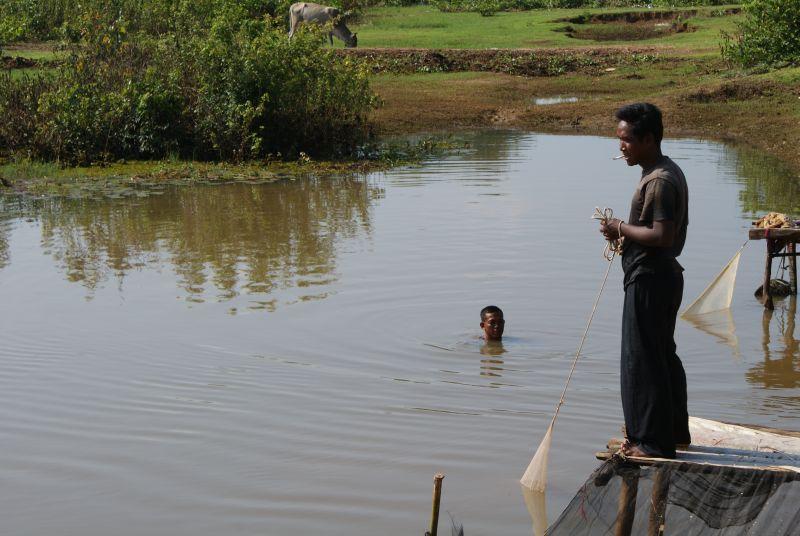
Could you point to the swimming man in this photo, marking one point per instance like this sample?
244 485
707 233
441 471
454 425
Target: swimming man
492 323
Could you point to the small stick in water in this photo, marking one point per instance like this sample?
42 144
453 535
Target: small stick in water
439 347
618 157
437 495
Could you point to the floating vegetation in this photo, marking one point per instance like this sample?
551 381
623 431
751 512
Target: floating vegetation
138 179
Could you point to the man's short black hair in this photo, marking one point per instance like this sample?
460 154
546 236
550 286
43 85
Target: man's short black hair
643 117
489 309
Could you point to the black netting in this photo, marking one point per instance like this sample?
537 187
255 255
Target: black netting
683 498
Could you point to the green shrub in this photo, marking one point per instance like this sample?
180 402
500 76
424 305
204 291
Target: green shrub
240 91
487 8
769 34
52 19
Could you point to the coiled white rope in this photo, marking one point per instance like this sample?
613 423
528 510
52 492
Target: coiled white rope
612 246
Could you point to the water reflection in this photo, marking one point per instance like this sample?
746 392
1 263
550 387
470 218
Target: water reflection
492 363
535 502
765 188
781 366
720 325
4 255
492 348
231 239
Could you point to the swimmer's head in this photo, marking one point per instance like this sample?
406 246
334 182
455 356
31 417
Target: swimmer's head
492 323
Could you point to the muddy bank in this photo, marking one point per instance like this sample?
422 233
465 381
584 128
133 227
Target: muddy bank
17 62
757 113
526 62
638 31
644 16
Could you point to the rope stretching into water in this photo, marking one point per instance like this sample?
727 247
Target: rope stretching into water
612 248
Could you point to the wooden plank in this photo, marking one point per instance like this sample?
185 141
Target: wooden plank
776 431
645 462
707 432
758 234
722 444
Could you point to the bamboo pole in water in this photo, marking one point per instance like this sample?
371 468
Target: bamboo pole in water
437 496
658 502
626 507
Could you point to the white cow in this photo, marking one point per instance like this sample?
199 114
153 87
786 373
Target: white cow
309 12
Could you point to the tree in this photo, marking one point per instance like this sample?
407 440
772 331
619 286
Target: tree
769 34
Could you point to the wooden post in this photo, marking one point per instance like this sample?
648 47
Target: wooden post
626 507
437 496
766 296
791 248
658 502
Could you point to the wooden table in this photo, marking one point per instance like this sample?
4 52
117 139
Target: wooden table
777 241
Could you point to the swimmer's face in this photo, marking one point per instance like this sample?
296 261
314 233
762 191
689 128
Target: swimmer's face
492 326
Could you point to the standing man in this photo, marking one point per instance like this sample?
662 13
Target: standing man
653 382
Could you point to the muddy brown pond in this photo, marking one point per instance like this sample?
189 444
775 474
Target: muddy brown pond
301 357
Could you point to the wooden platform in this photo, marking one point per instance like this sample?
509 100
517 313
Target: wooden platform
713 444
730 445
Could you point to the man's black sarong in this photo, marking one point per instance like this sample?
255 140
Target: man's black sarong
652 375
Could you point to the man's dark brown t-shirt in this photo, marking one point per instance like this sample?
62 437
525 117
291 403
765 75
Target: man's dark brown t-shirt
661 195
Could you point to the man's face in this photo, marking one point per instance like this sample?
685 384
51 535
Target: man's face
634 149
493 325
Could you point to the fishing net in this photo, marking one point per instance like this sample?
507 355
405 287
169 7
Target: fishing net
719 294
535 477
683 498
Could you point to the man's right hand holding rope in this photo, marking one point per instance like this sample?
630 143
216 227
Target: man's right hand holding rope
610 227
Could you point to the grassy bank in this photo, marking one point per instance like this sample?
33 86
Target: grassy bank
465 72
760 111
450 88
427 27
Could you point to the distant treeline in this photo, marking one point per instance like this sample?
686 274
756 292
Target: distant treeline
230 87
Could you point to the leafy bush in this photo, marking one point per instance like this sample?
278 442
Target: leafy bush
769 34
242 90
53 19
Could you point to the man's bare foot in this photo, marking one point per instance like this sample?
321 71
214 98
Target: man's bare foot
632 449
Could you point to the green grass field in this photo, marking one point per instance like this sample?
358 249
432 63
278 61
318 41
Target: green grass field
37 51
427 27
